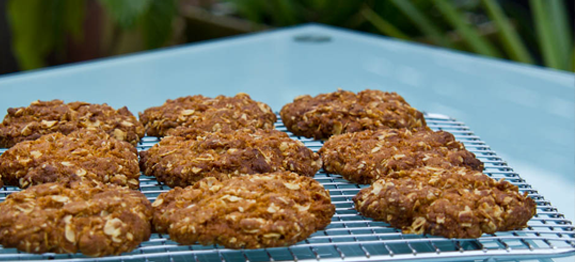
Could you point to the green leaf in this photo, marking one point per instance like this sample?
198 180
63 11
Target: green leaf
422 22
545 35
510 38
561 33
382 25
31 42
469 34
157 23
126 12
40 27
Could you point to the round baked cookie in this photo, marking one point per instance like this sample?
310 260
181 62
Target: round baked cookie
191 132
209 114
258 211
363 157
89 154
75 217
182 161
455 202
46 117
345 112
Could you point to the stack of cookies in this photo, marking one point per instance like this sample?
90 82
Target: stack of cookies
236 180
79 170
422 181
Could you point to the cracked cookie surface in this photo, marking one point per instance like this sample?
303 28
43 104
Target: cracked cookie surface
343 112
363 157
75 217
257 211
209 114
182 161
88 154
45 117
454 202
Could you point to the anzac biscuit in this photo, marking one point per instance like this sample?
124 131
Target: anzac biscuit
454 202
209 114
258 211
190 132
366 156
345 112
45 117
181 161
78 216
89 154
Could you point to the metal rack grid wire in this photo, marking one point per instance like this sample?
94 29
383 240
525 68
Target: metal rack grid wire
351 236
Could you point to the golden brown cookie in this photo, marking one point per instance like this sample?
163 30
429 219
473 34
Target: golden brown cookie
89 154
345 112
209 114
454 202
75 217
366 156
182 161
257 211
46 117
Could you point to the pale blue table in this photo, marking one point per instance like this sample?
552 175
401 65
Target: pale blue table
525 113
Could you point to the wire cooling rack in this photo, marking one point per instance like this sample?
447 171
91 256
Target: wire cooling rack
352 237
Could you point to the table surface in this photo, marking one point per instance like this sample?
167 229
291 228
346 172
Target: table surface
525 113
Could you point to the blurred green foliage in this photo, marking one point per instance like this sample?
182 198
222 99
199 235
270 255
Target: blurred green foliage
127 12
537 32
480 26
41 27
157 23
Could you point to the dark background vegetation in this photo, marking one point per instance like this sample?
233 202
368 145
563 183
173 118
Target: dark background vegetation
41 33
